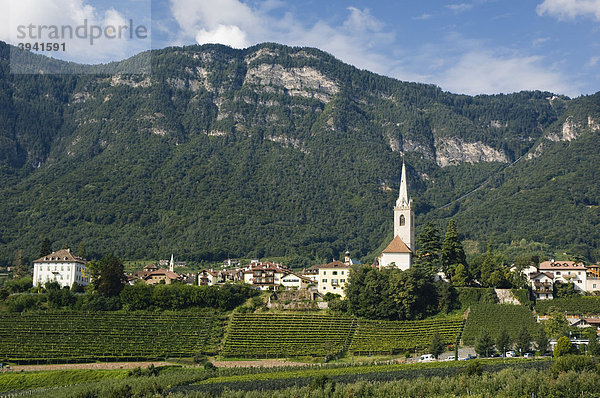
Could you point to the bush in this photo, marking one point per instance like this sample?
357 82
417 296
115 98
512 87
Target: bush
468 296
22 302
576 363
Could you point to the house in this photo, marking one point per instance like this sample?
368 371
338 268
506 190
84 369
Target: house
161 276
293 280
62 267
566 272
265 275
311 273
208 277
542 285
593 278
333 277
400 251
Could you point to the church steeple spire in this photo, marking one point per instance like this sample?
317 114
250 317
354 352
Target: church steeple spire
403 196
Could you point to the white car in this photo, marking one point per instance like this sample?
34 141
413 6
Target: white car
450 358
426 358
510 354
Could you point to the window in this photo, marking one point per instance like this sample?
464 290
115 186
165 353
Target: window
324 280
342 272
402 220
324 272
594 285
334 272
557 272
342 281
334 281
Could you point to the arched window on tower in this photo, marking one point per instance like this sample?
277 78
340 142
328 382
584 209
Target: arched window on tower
402 220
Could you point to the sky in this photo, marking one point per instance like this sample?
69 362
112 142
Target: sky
470 47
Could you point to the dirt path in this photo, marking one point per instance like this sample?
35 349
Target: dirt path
96 365
267 363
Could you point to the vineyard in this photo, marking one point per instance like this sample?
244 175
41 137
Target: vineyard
106 336
287 335
393 337
582 305
494 317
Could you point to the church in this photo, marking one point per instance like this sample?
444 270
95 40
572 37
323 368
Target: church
401 249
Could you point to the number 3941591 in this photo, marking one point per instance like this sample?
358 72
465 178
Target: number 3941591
43 46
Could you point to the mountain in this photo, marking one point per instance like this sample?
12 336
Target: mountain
280 151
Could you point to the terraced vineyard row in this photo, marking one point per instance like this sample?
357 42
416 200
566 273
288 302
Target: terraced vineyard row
79 336
287 335
494 317
394 337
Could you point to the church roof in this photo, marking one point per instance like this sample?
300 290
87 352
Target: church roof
397 246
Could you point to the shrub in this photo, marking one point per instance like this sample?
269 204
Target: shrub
576 363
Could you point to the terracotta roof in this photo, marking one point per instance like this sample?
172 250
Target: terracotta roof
60 256
397 246
213 273
334 264
168 274
560 265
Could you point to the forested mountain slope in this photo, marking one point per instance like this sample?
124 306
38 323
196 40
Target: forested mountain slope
281 151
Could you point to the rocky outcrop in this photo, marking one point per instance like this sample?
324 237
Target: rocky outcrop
568 132
453 150
304 81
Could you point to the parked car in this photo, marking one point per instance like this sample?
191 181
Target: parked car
450 358
528 355
426 358
510 354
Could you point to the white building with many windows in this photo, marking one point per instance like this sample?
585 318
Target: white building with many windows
61 267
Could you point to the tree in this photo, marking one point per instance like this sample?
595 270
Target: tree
563 347
46 247
460 277
81 252
557 325
523 342
436 346
107 275
503 341
564 290
542 341
429 248
484 346
593 347
453 252
20 268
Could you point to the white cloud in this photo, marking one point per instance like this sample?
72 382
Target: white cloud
422 17
539 41
229 35
461 7
570 9
482 72
593 62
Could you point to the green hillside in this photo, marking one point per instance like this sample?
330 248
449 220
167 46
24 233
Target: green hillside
281 151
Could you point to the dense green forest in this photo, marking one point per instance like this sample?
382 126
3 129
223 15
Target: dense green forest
282 151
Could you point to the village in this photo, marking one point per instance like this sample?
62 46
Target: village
315 283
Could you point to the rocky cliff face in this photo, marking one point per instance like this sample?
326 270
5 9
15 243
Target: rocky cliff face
453 150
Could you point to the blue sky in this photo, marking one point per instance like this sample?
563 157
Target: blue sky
472 47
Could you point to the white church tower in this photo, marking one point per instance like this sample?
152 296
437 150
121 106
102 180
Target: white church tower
404 216
400 250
